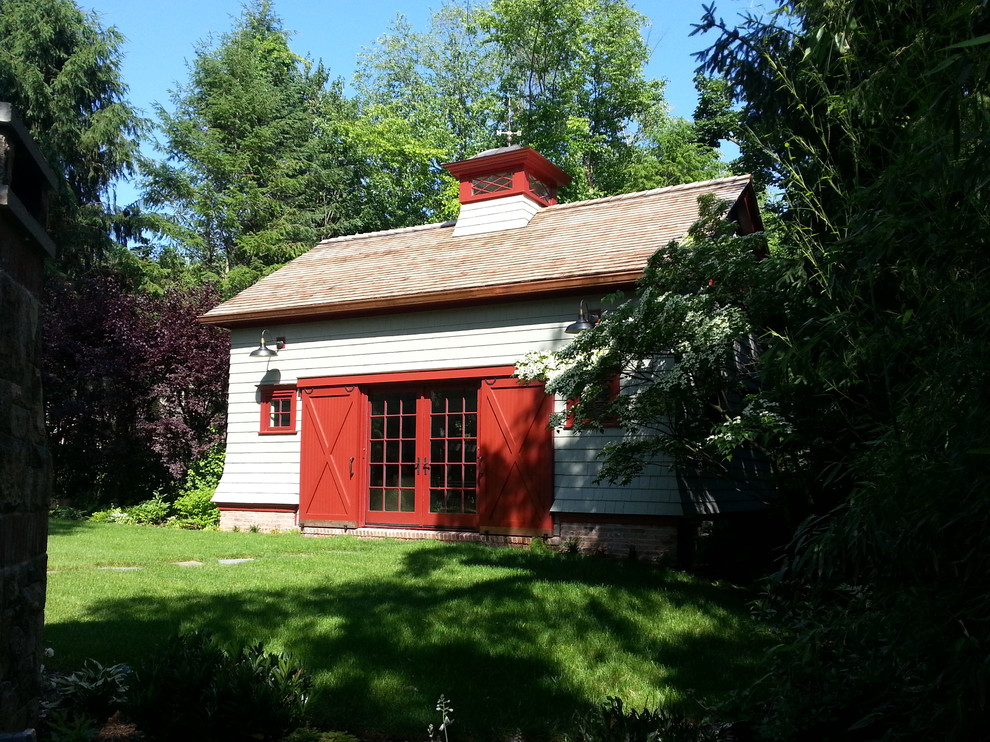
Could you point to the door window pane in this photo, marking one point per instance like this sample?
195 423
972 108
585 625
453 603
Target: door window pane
453 426
392 459
437 470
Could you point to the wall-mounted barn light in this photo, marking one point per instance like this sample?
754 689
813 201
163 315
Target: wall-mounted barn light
585 321
263 351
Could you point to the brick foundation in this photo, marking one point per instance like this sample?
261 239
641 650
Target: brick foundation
652 541
415 534
261 520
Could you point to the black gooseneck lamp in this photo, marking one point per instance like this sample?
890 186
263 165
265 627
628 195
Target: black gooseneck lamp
584 320
263 351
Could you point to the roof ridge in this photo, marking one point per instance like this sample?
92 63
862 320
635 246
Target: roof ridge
380 232
556 207
652 192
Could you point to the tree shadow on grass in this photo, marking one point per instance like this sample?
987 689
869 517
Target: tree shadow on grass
520 648
64 526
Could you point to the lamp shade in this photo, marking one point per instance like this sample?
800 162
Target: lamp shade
582 321
263 351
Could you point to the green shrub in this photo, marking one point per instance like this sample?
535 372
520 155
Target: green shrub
76 705
96 689
151 512
196 510
194 507
307 734
112 515
66 512
538 546
610 722
194 689
69 726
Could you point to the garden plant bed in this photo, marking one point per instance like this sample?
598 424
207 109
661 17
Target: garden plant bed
519 640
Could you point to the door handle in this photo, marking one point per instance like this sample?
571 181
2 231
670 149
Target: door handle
352 466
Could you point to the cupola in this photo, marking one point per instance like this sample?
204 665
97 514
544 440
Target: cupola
503 188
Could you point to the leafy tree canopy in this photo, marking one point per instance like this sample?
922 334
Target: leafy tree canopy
871 119
129 406
569 76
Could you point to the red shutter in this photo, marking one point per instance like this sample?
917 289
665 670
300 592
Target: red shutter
331 455
516 448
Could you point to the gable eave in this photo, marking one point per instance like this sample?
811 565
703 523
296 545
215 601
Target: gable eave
598 243
429 300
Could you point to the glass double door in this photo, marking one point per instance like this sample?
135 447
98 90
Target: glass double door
423 457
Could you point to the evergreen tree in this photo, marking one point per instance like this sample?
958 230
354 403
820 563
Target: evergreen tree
61 70
251 178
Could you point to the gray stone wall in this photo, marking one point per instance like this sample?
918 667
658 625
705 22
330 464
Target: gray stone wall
25 483
25 466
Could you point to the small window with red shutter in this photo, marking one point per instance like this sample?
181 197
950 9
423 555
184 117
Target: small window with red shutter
278 410
608 395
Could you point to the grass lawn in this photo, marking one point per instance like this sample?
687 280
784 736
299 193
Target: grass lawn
519 640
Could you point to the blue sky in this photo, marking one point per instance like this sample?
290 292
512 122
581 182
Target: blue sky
161 37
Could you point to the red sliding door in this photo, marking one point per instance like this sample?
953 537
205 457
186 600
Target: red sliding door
517 456
455 450
332 433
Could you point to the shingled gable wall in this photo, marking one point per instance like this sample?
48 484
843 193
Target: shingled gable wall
25 469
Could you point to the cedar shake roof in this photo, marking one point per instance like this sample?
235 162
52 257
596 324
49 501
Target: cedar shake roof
602 244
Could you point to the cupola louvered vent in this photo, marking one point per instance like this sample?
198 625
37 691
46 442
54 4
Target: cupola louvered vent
503 188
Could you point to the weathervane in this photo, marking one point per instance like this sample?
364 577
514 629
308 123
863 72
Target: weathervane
508 130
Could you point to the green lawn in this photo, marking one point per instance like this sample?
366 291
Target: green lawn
518 639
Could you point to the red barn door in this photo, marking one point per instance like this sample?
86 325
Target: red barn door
332 433
516 449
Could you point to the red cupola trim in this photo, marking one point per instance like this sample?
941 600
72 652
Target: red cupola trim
508 171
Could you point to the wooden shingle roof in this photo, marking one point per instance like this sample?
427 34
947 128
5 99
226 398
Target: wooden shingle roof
598 244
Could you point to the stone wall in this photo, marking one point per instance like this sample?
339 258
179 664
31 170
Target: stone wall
25 466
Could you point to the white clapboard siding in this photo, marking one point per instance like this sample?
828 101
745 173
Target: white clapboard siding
264 469
462 338
508 212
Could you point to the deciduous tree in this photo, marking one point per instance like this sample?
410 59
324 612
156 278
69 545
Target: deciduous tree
135 388
569 76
